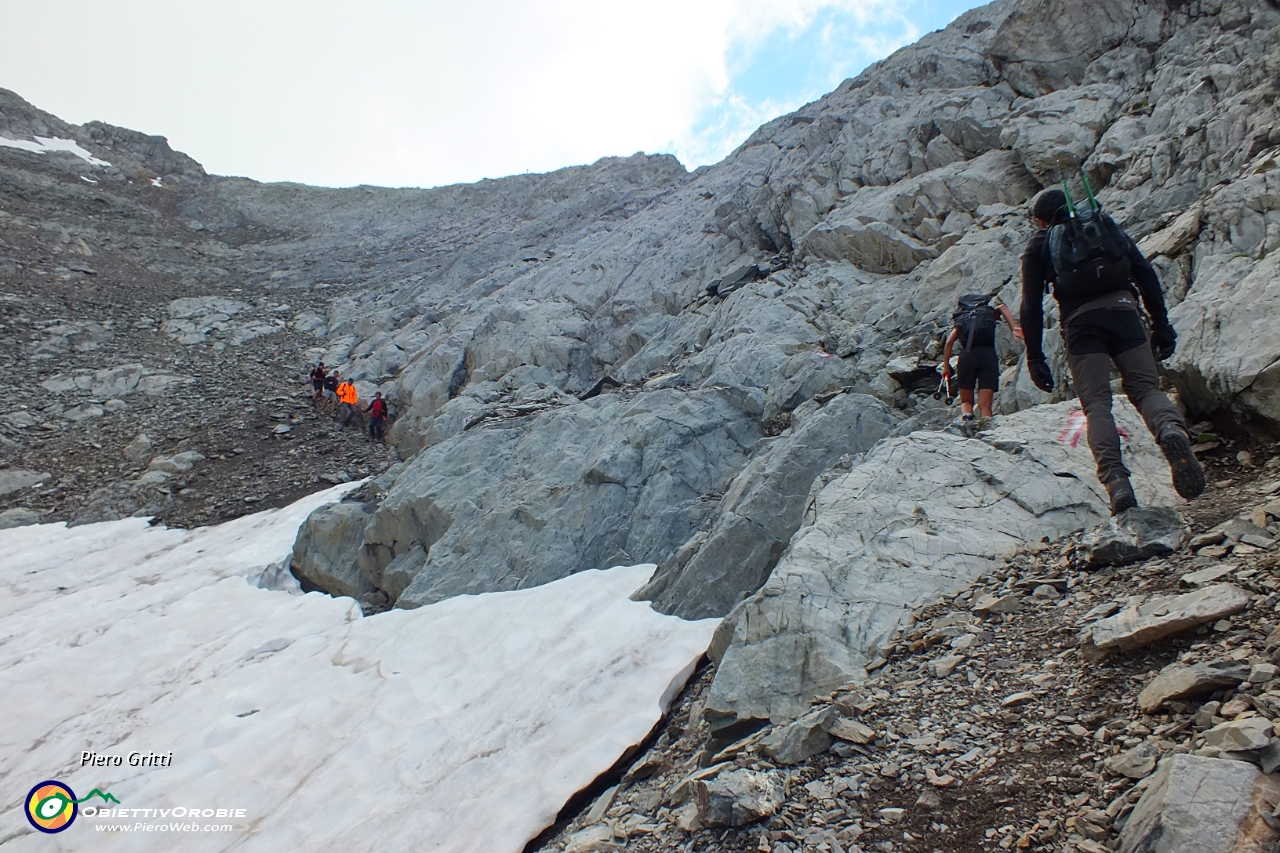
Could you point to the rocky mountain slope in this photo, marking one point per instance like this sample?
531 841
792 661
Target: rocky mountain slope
996 723
728 372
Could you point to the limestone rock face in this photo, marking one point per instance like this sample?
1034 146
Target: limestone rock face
1046 45
918 518
1056 132
762 509
613 481
1228 351
898 191
876 247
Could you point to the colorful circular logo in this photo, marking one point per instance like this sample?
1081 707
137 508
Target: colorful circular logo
51 806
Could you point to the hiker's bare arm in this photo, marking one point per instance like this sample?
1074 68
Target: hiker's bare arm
946 353
1008 318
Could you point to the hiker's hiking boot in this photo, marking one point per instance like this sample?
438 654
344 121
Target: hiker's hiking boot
1122 496
1188 476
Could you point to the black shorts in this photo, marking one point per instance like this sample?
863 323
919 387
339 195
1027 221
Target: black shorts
317 386
979 366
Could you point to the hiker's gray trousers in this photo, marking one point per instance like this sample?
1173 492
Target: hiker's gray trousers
1140 378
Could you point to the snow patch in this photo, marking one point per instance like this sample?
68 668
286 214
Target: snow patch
157 182
462 726
45 144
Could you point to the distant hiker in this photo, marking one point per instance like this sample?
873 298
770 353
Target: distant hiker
377 411
331 391
348 398
1094 267
317 383
974 327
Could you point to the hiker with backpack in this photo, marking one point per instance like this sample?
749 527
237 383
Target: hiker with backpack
348 398
377 411
317 383
974 327
331 383
1097 275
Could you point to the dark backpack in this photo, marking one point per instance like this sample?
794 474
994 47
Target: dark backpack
1090 255
331 383
976 321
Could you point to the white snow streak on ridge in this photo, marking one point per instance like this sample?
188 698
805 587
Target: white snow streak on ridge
45 144
463 726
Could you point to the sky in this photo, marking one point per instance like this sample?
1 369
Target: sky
428 92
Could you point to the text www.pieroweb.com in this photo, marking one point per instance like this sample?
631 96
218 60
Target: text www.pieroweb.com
187 825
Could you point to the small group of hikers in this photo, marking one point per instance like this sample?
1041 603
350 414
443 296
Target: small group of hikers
331 393
1097 274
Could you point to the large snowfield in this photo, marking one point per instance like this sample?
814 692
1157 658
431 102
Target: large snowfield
462 726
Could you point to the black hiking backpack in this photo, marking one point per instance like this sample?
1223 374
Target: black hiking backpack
1089 252
975 320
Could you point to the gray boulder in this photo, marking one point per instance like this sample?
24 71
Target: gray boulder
18 517
1141 624
800 739
138 450
1179 681
16 479
1202 804
328 547
83 412
1135 535
1056 132
1239 360
178 463
737 798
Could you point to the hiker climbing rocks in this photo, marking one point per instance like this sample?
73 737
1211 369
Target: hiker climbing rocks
317 383
974 328
331 391
348 398
377 411
1098 274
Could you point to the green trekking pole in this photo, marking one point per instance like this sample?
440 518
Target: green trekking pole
1093 202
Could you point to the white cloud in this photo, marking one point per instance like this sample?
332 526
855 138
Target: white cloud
422 93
